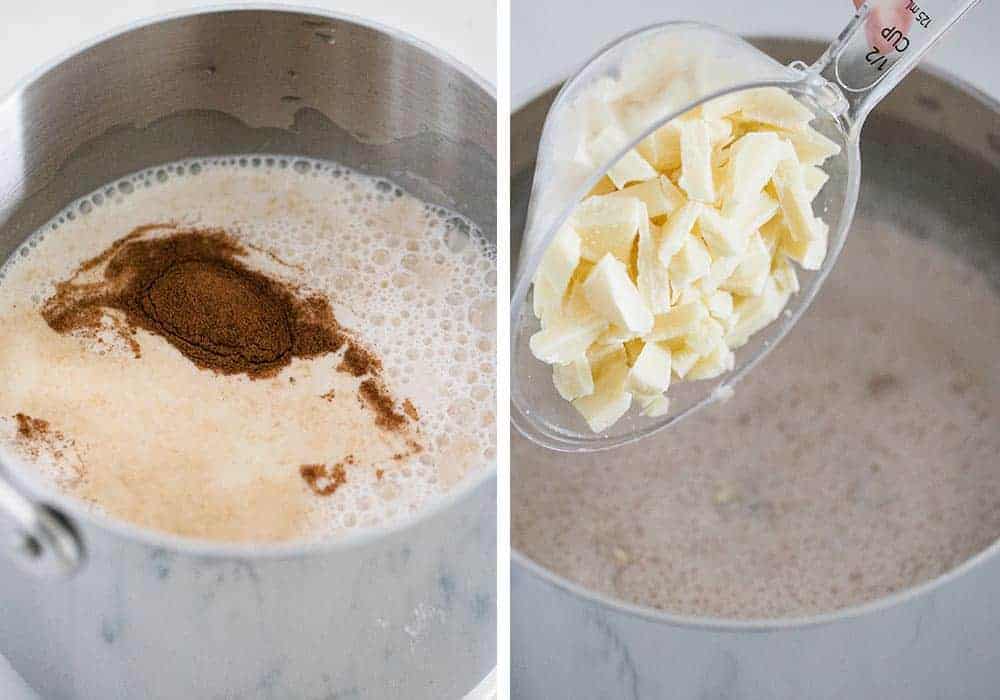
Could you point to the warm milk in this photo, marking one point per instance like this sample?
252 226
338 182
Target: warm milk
858 459
159 442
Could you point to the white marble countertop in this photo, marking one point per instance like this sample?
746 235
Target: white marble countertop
37 32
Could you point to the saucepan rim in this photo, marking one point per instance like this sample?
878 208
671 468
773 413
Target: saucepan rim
530 567
76 511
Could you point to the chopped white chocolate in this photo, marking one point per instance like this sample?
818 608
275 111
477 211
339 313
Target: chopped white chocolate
750 275
811 147
612 295
566 338
632 167
682 360
544 300
810 254
660 195
610 400
559 261
751 215
678 322
721 270
696 161
684 249
650 373
677 229
773 106
756 312
722 236
615 335
653 405
720 360
813 178
720 307
608 224
603 186
705 336
691 263
662 148
751 165
653 279
805 231
573 380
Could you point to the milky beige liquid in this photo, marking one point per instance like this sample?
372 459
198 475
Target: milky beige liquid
159 442
858 459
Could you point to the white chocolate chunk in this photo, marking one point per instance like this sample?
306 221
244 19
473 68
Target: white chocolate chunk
598 355
603 186
662 148
678 322
720 132
677 229
650 373
612 295
751 215
722 236
696 161
610 400
720 307
691 263
705 336
796 209
682 360
559 261
813 178
785 278
608 224
719 361
574 379
810 254
660 195
565 338
750 275
751 165
756 312
615 335
811 147
721 270
632 167
720 107
773 106
653 279
602 409
685 248
654 406
544 300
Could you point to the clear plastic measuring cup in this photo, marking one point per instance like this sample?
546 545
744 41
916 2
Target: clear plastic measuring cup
651 77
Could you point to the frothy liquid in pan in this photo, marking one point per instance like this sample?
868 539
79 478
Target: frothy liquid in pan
251 349
859 459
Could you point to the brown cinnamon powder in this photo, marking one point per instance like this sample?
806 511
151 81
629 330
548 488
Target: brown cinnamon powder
323 480
30 428
191 288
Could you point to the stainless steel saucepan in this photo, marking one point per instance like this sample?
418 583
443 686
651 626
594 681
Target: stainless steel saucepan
92 608
931 153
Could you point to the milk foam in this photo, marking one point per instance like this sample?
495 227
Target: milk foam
414 282
857 460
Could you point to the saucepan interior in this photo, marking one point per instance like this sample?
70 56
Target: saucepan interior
247 80
931 152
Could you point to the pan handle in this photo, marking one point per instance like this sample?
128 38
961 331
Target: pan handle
37 538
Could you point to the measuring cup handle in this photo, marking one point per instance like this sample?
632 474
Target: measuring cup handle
36 538
883 43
